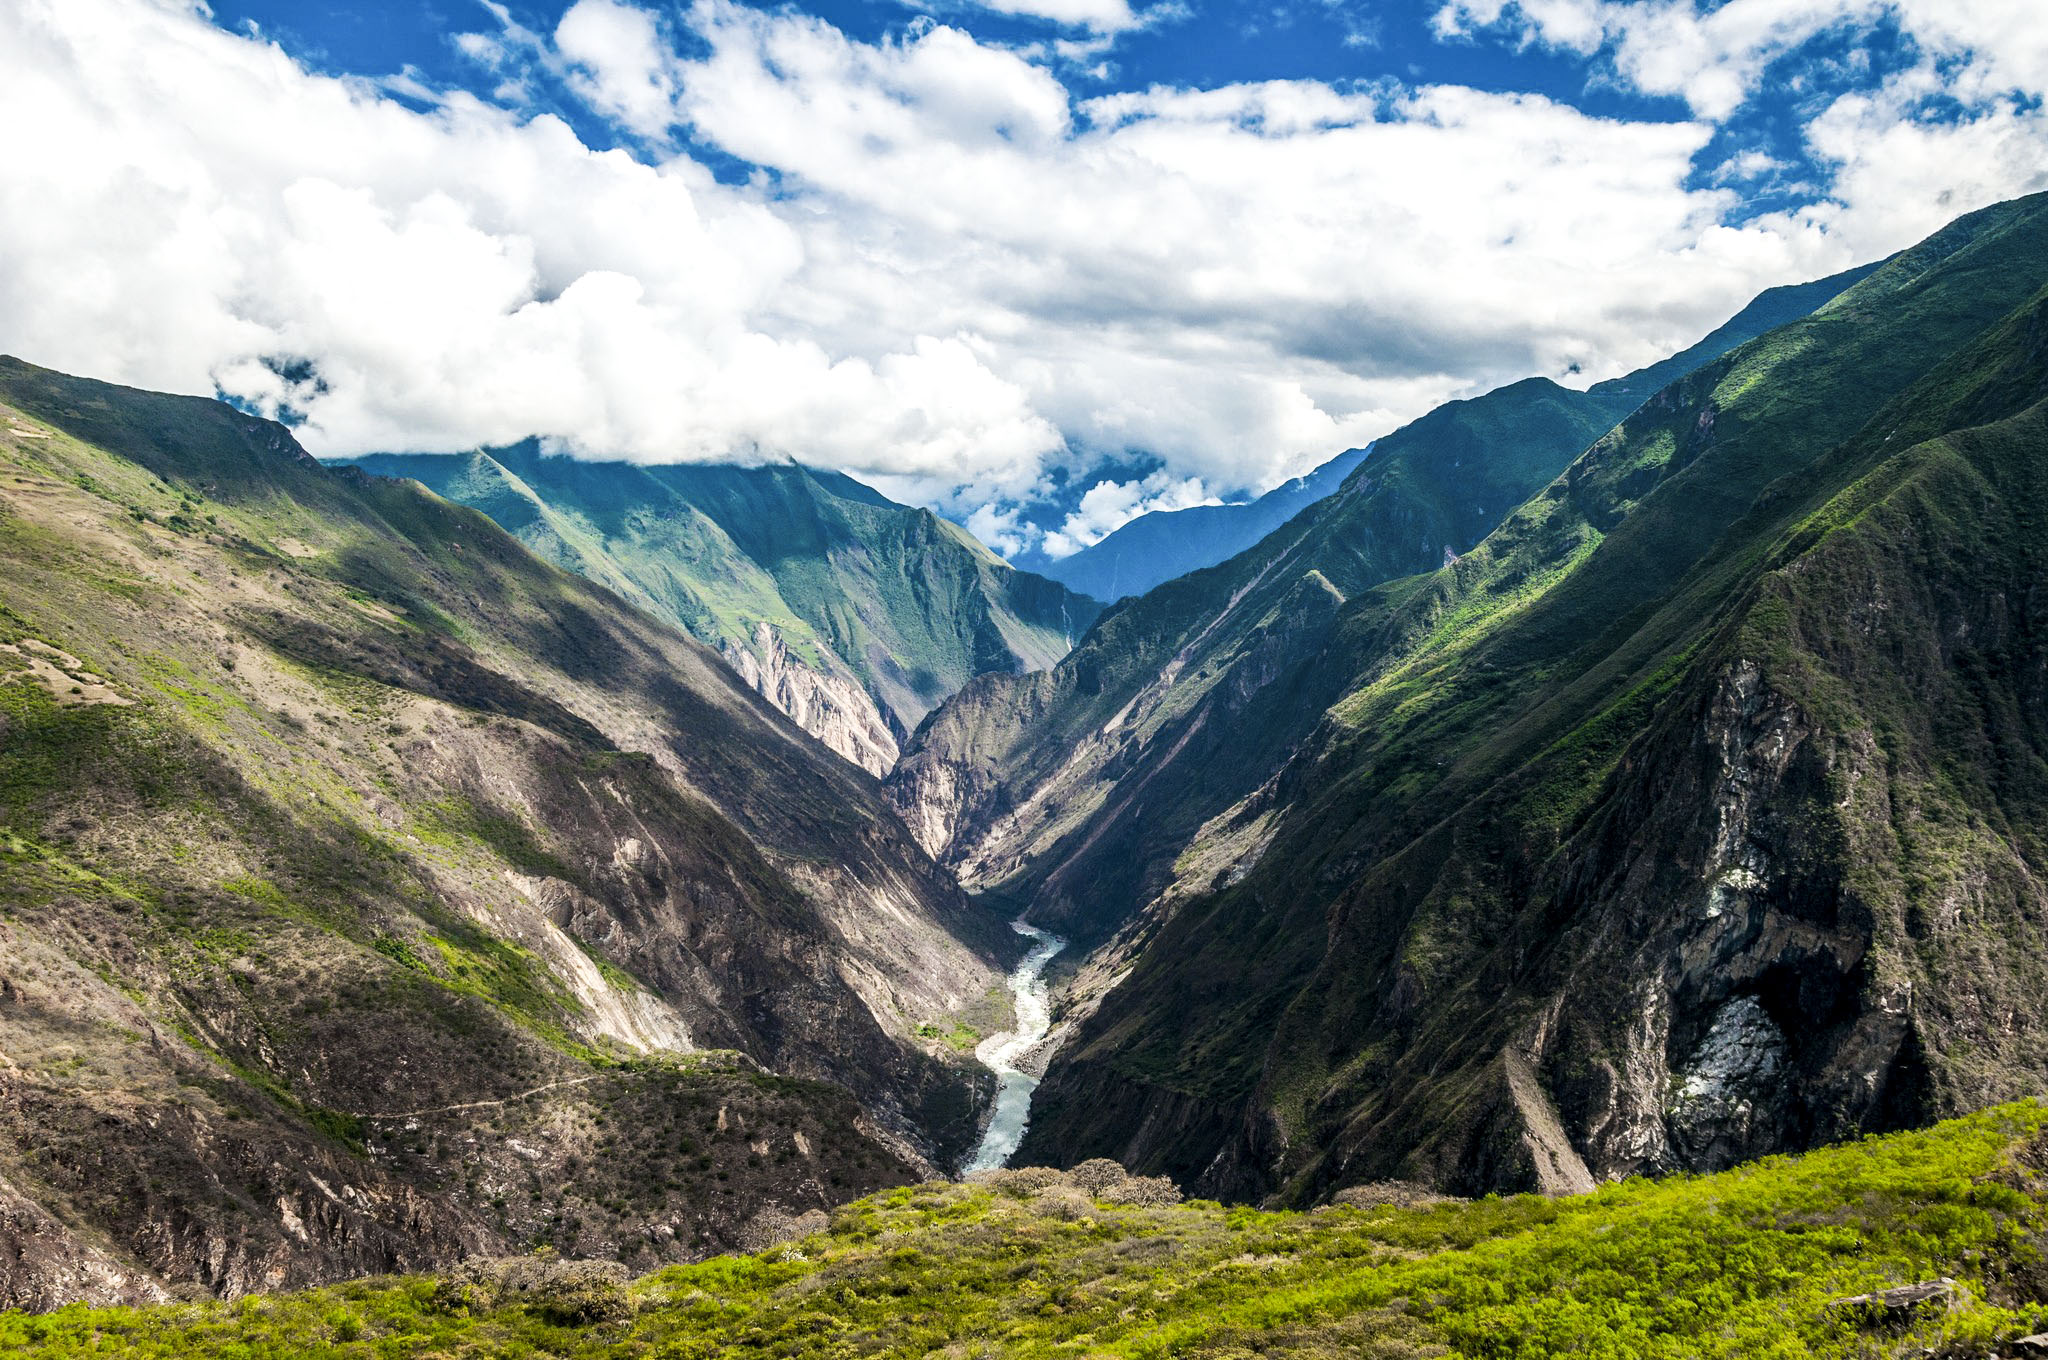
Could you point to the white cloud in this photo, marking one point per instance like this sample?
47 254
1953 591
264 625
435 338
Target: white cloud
1713 55
1241 280
1103 16
959 274
1108 506
1959 127
195 204
618 62
1710 57
1002 528
1747 165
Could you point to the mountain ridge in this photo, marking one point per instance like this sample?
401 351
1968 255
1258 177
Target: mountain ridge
851 613
1008 782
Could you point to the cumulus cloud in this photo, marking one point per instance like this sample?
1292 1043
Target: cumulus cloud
953 275
618 62
1108 506
198 212
1103 16
1240 280
1713 55
1960 124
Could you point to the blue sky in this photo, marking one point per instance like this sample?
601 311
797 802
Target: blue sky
1041 264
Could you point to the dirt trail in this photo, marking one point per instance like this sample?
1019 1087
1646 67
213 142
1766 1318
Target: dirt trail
479 1104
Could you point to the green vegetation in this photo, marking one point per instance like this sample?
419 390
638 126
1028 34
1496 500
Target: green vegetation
1741 1264
449 822
961 1038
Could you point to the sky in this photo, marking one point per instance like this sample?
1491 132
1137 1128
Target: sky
1041 265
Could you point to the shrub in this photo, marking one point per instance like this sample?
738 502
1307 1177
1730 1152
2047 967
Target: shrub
1143 1192
1098 1174
566 1293
774 1225
1020 1183
1395 1194
1063 1202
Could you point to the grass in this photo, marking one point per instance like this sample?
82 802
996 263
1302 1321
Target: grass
961 1037
1745 1263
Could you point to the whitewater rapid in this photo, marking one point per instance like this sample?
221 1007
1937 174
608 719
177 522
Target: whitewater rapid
1000 1052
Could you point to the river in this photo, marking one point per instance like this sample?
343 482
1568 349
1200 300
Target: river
1000 1052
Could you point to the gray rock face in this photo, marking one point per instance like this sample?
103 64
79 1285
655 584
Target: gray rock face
1724 1101
825 700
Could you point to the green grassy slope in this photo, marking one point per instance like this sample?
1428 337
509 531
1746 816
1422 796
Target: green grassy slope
356 867
902 604
1694 814
1746 1263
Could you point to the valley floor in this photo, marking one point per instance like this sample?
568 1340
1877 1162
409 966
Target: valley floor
1751 1262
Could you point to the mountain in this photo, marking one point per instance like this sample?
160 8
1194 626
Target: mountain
375 894
1814 1256
1156 547
1076 790
853 614
1696 813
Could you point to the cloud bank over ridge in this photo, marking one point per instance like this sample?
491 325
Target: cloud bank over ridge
942 264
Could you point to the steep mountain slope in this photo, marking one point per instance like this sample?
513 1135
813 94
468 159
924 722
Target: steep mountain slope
853 614
1154 548
372 891
1697 813
1077 789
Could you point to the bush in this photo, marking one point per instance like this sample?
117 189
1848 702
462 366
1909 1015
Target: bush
1022 1182
1098 1174
1063 1202
1394 1194
774 1225
566 1293
1142 1192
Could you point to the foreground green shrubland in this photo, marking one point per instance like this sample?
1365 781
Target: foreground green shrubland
1746 1263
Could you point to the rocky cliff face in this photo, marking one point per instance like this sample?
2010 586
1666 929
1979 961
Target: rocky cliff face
821 699
1694 814
374 893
